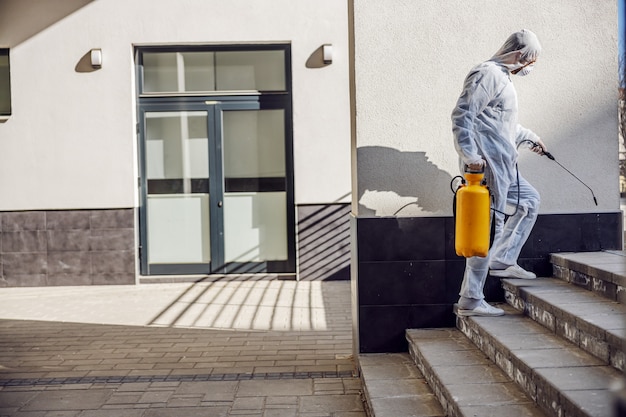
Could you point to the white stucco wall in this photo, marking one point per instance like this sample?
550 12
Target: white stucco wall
70 142
410 60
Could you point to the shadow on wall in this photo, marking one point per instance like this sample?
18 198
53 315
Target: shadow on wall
416 182
18 23
316 60
84 64
324 242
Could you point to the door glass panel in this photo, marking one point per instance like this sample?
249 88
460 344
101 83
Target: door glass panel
180 72
178 229
177 170
255 215
254 143
255 227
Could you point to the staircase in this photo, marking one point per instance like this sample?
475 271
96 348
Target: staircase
558 351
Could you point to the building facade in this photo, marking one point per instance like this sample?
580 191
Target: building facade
155 139
160 140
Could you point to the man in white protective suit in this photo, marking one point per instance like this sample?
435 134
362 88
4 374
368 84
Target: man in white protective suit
487 135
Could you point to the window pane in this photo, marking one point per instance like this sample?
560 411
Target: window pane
159 72
254 143
251 70
180 72
199 71
5 83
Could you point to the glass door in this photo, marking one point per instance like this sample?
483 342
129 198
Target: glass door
255 189
216 190
176 182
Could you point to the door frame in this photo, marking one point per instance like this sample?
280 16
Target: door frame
214 104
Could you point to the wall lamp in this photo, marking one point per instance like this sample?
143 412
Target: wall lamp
95 56
327 53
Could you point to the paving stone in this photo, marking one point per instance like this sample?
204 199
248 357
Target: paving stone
330 403
187 412
212 387
283 387
282 401
110 413
399 371
14 399
398 388
176 402
282 412
69 400
124 398
249 403
406 406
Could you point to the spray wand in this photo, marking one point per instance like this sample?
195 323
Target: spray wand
549 155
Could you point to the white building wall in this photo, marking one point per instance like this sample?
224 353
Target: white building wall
70 142
410 60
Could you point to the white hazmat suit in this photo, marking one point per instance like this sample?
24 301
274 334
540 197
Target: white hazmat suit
485 127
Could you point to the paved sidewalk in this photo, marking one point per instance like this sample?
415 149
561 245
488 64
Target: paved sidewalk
245 348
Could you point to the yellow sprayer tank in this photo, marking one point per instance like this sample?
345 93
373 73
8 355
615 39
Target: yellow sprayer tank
472 230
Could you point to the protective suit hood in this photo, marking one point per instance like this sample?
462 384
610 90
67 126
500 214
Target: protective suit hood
523 41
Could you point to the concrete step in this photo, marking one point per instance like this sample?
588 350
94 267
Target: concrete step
394 387
464 380
590 321
603 273
562 379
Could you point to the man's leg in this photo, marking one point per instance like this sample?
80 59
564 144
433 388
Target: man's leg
472 301
515 232
476 269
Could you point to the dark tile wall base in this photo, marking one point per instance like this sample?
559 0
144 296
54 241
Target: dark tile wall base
406 274
67 247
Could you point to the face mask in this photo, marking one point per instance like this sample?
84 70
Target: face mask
525 71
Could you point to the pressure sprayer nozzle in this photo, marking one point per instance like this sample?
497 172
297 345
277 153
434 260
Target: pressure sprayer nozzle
572 174
549 155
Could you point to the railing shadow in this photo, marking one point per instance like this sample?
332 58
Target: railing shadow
253 305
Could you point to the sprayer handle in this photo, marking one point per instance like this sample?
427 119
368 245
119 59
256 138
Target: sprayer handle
467 169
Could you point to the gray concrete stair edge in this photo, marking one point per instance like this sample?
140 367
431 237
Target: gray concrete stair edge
591 322
463 379
562 379
394 387
601 272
